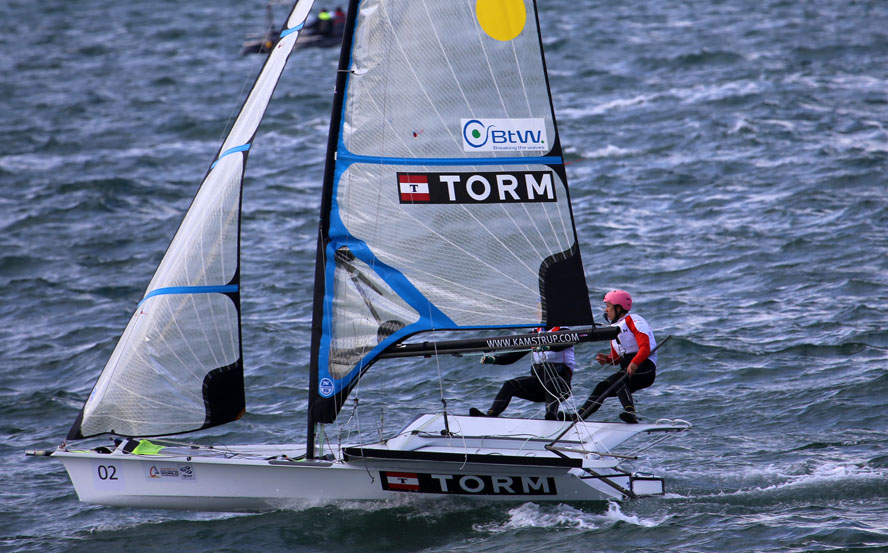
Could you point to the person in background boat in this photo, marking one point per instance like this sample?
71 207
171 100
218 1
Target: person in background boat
548 382
338 17
323 25
632 350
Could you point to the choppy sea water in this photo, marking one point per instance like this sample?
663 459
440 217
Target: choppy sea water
727 165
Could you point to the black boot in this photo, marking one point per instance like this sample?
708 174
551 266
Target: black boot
628 415
473 412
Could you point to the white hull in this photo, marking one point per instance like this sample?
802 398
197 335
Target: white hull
488 459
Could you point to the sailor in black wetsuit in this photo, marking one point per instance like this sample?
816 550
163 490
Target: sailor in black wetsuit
548 381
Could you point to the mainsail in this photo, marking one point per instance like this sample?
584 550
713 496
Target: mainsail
445 198
178 365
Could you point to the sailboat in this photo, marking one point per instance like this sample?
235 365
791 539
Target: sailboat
463 229
312 35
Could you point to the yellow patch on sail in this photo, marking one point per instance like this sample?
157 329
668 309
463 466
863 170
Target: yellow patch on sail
501 19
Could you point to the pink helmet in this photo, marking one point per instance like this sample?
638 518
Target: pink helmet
619 297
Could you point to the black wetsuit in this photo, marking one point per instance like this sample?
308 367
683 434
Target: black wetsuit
644 376
547 382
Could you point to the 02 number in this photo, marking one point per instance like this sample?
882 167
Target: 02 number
107 472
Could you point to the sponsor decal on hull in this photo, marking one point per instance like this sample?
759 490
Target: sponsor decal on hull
467 484
476 188
404 481
178 472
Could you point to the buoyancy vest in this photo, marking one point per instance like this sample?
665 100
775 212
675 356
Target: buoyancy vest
565 356
636 338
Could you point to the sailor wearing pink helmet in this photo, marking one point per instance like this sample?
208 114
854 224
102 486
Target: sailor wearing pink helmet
632 349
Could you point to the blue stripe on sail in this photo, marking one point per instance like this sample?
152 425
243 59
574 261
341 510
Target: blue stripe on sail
293 29
225 289
347 157
229 151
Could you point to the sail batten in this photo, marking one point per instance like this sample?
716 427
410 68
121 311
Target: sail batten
223 289
346 157
293 29
233 150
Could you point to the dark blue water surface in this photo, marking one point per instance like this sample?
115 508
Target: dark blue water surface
727 165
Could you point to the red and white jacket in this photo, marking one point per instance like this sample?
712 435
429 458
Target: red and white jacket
635 338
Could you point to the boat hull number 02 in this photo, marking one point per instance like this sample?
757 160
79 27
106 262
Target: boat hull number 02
107 472
107 475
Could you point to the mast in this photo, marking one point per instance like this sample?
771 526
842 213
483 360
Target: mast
324 221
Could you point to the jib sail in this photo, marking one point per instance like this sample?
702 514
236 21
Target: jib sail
178 365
